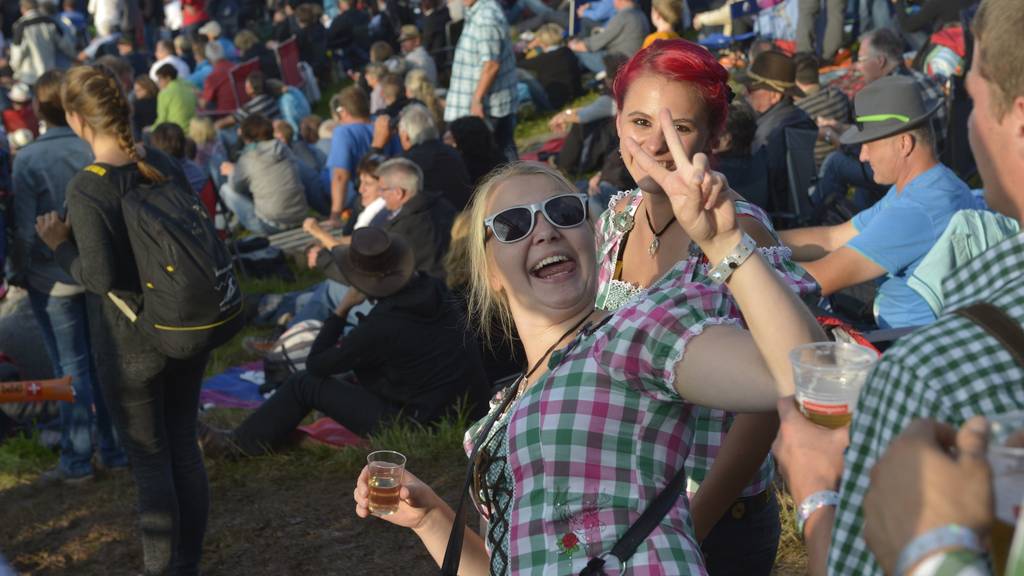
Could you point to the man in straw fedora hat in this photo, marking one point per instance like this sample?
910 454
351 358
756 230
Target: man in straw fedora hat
409 357
891 238
771 87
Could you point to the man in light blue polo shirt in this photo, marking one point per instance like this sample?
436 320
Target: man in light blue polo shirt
887 241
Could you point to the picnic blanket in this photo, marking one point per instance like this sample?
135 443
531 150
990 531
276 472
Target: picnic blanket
238 387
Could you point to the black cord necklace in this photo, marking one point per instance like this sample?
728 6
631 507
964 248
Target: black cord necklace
551 349
652 249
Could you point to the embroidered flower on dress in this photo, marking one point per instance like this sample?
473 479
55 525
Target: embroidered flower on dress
569 544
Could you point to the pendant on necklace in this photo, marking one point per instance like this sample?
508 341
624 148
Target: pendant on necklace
623 222
653 248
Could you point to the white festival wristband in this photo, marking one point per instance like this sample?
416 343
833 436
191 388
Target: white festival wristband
948 536
720 273
812 504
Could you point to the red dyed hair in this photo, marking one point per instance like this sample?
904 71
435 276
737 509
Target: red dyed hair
682 61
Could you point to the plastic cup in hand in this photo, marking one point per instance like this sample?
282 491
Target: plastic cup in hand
386 468
1006 457
828 378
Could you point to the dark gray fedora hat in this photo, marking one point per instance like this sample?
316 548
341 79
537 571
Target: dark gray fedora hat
886 107
376 262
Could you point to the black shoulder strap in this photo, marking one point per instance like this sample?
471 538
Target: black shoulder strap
999 325
642 528
453 551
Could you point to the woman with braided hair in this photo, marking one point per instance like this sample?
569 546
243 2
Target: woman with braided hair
153 399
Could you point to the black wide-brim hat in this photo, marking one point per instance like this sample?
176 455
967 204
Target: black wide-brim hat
375 262
887 107
773 71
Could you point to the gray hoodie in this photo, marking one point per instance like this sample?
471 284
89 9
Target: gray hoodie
268 172
36 44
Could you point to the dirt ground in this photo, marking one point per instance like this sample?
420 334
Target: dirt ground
281 516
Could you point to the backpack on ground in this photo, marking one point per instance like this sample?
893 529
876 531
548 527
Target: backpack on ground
289 354
190 298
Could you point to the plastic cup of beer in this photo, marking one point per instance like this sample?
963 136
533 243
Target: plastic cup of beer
386 468
828 378
1006 457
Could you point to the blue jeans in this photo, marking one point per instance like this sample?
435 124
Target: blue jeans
874 14
593 61
316 303
744 546
64 324
505 135
244 208
838 172
535 91
324 300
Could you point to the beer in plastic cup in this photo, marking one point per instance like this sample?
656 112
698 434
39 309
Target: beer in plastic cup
828 378
386 468
1007 462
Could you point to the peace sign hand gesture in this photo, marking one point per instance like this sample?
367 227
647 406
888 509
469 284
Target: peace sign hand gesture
701 198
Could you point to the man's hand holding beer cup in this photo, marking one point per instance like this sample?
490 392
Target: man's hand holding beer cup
810 457
931 476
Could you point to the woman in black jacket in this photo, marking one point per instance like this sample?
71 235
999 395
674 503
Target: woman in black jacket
153 399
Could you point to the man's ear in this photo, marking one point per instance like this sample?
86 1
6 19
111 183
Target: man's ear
1016 115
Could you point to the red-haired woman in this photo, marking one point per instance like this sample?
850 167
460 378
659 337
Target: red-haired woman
735 514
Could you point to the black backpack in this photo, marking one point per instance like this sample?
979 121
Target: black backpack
191 301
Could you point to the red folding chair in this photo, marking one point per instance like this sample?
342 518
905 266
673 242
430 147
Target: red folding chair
288 60
237 76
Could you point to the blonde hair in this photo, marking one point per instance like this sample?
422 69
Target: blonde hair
456 261
996 28
487 307
550 34
201 130
96 95
245 40
669 10
418 86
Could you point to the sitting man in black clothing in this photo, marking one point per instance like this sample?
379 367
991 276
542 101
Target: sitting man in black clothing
444 172
409 357
771 87
422 220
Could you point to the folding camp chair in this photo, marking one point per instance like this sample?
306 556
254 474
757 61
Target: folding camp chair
288 60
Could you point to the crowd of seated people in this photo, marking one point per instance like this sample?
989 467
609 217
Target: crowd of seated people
659 259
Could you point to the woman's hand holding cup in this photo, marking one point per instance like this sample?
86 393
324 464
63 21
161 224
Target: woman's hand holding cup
416 501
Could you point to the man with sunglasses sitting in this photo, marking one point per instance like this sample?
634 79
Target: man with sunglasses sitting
408 357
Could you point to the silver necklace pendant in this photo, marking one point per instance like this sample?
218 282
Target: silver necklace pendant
653 248
623 222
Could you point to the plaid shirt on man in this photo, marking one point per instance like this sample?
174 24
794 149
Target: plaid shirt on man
484 38
949 371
